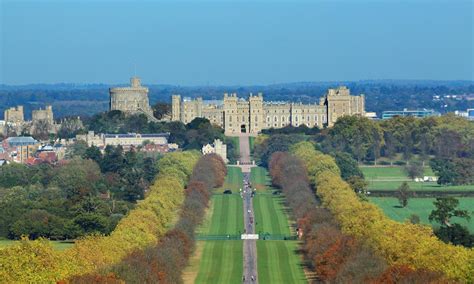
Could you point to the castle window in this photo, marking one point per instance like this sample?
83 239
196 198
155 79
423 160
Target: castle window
309 118
275 118
256 118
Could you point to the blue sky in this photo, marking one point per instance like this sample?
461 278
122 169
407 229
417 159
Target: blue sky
234 42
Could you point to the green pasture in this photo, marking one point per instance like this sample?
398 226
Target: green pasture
221 262
395 172
251 144
279 262
270 215
57 245
421 207
270 212
227 215
390 178
259 178
233 180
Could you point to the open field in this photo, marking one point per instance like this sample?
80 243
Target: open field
57 245
270 215
227 215
259 178
390 178
421 207
233 180
384 172
221 262
251 144
279 262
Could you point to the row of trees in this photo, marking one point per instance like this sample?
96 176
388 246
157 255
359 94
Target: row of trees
165 261
399 244
333 255
37 262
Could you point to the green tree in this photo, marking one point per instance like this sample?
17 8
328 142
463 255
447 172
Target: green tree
414 219
358 184
403 194
347 165
414 169
446 208
455 234
93 153
160 110
14 174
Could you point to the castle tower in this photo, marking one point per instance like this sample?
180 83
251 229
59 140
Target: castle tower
175 108
14 115
131 100
256 113
231 124
339 102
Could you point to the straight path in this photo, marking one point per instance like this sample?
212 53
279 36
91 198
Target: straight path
250 246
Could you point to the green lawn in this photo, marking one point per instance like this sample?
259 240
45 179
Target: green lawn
227 215
421 207
270 215
390 172
57 245
221 262
259 178
279 262
251 144
234 179
390 178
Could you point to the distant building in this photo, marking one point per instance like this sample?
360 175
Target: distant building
237 115
125 140
19 149
468 114
131 100
420 113
42 119
218 147
371 115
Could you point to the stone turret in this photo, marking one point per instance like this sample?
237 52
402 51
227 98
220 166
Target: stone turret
131 100
14 115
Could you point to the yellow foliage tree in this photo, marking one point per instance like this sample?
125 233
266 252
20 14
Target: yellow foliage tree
399 243
37 262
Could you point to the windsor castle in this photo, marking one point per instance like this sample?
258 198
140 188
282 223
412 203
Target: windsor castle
238 115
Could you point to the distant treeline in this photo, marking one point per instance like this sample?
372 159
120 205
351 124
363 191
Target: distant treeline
86 100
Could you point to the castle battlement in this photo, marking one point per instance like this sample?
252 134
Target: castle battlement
239 115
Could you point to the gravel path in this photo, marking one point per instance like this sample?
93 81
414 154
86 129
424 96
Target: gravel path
250 246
